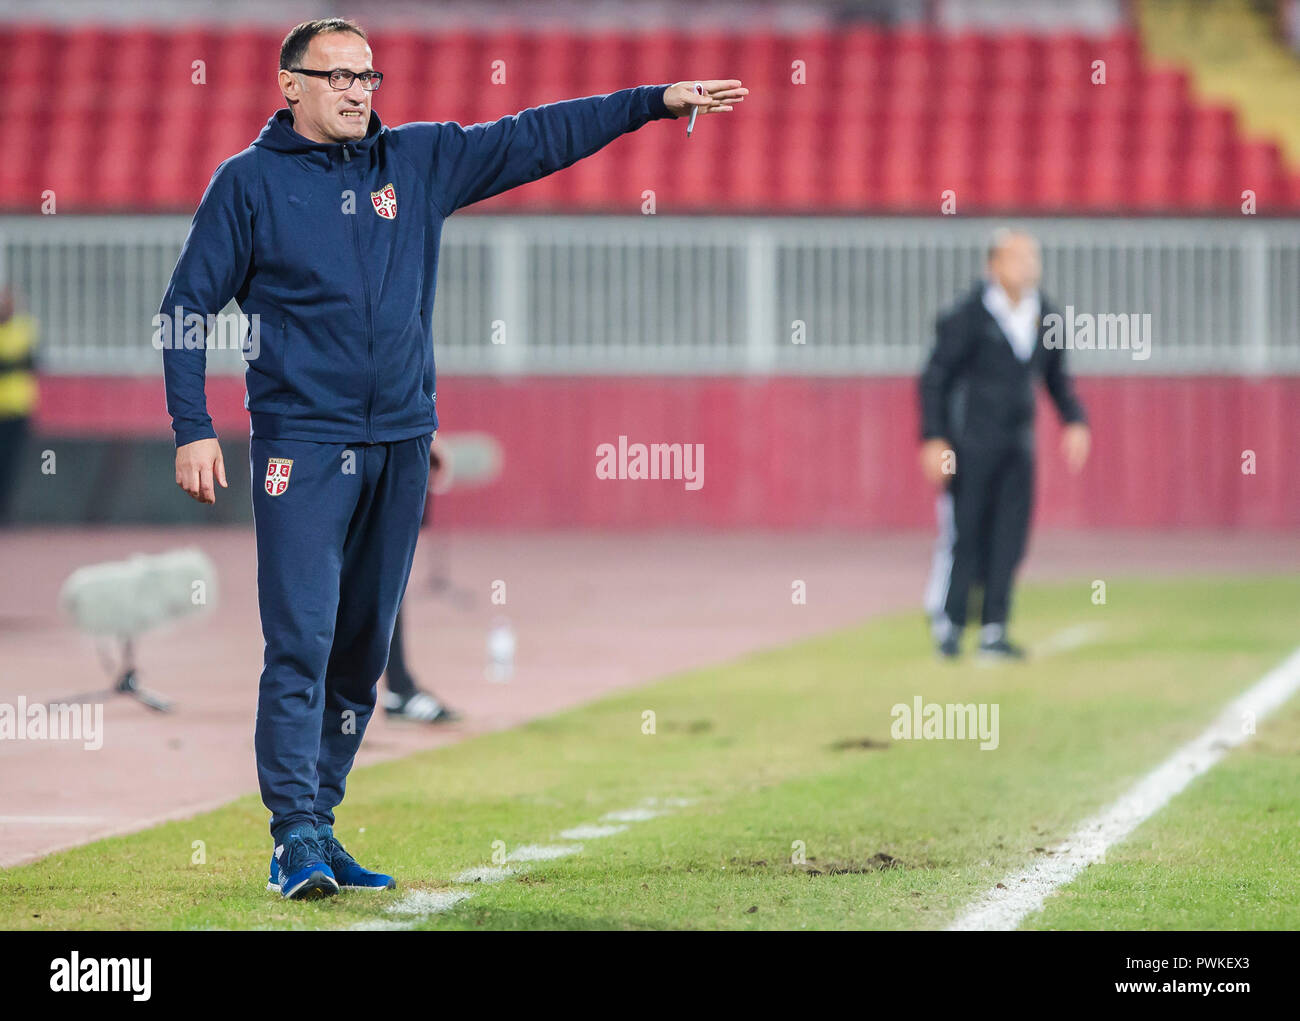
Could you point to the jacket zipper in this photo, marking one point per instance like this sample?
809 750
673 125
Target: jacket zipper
365 286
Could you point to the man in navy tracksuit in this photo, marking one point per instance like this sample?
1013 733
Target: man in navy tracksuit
326 231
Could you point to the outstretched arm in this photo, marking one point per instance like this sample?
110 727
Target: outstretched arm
476 162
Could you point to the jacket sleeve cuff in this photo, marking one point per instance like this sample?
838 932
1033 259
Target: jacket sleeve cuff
658 109
192 431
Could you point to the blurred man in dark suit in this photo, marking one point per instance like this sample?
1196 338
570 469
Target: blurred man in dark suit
977 432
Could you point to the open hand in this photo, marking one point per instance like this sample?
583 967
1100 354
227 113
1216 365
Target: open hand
720 95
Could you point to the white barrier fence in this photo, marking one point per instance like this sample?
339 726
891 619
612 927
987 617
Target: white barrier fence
656 294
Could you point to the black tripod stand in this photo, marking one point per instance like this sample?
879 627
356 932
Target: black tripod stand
125 684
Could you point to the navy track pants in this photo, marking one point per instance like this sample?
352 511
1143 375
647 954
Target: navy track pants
336 529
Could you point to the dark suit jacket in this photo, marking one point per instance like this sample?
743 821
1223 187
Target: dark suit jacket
976 392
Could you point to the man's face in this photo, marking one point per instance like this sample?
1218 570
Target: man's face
1017 265
320 112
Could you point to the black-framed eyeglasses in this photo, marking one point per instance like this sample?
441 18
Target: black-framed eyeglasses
342 80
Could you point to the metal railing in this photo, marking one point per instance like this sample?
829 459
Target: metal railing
653 294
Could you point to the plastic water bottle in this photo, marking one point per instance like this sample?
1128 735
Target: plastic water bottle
501 651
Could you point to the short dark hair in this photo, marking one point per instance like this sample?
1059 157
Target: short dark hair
294 47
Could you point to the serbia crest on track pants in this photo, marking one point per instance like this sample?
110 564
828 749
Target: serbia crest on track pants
336 529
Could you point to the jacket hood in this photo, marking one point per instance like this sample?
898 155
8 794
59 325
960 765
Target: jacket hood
279 136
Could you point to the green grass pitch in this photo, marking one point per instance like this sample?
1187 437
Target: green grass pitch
786 802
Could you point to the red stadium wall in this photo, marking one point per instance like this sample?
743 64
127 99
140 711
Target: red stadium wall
793 452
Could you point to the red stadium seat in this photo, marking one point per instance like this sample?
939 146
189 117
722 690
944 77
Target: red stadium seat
848 179
887 120
1106 182
1161 92
800 172
1259 168
1005 173
1053 181
709 49
656 56
1067 62
1211 130
904 181
1203 186
857 71
1013 60
603 64
31 50
749 171
460 70
399 57
969 62
20 178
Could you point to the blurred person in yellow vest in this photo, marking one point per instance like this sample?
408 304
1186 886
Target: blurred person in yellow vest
18 391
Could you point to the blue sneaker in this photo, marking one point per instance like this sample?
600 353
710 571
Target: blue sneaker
299 870
351 876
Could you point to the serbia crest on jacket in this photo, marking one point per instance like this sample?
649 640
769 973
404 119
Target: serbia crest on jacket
385 202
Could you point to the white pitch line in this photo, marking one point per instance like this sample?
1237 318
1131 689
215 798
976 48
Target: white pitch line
632 815
1024 892
591 832
535 852
1067 639
428 902
485 874
416 906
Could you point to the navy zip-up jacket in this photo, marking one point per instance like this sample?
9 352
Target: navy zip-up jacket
344 299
